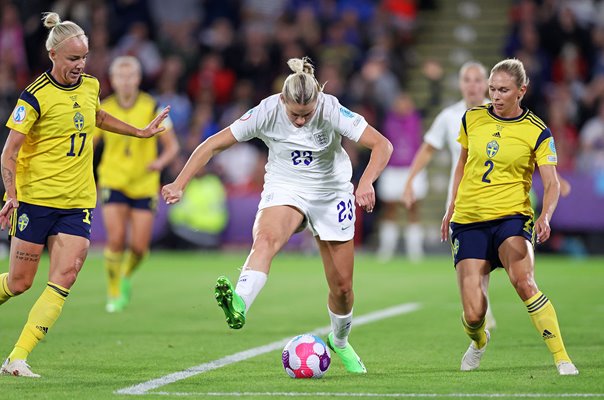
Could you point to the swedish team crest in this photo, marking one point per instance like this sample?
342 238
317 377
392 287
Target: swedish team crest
78 121
492 148
22 222
320 139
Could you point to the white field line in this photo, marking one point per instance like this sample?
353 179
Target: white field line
390 395
143 388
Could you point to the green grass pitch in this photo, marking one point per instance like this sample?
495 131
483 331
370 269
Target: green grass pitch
173 324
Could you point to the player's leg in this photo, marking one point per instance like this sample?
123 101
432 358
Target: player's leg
67 255
490 323
23 265
115 219
389 191
141 225
338 262
516 254
414 233
470 273
272 229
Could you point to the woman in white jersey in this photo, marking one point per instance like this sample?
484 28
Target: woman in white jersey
307 183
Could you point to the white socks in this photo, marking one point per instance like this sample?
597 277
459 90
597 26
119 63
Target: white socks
388 237
340 326
249 285
414 241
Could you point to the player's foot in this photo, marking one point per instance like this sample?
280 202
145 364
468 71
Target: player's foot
567 368
471 360
114 305
352 362
17 368
125 291
230 302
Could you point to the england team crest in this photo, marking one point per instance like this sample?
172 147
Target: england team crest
78 121
22 222
320 139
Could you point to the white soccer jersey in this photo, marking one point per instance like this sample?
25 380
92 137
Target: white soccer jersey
444 131
307 159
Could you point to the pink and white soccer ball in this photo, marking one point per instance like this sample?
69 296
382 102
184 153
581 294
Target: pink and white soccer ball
306 356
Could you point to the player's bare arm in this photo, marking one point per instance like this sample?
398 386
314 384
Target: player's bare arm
381 149
213 145
108 122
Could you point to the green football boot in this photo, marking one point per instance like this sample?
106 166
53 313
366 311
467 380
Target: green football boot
352 362
125 291
230 302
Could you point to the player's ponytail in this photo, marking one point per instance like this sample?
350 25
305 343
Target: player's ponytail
60 31
301 87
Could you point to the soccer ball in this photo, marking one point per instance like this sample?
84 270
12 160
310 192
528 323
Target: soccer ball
306 356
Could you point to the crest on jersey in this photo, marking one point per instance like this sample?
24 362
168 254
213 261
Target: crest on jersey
19 114
492 148
320 139
78 121
22 222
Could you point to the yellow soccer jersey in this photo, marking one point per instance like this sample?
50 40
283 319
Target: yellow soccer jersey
502 154
125 159
54 165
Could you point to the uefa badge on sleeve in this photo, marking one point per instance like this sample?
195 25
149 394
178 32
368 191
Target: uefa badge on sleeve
19 114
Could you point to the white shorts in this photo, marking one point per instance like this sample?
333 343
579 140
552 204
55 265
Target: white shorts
330 216
391 184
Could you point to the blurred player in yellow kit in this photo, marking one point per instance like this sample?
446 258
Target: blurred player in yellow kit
129 178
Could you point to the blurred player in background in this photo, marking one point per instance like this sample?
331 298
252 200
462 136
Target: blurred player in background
307 183
128 174
491 218
444 132
403 127
50 189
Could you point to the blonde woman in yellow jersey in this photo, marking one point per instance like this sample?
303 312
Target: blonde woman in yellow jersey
50 189
491 218
129 179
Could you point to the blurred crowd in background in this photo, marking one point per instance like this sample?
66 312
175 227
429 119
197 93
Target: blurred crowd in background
212 60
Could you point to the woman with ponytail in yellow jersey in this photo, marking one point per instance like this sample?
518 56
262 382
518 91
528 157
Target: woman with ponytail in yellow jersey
50 189
491 218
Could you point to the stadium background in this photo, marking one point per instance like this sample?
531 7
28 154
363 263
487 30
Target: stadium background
213 60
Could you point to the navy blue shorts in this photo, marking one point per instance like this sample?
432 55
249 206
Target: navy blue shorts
481 240
115 196
35 224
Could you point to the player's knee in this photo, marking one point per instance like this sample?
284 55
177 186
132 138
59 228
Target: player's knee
474 317
19 285
525 288
265 241
342 290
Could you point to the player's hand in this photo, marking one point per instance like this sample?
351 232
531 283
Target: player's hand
171 193
365 196
542 229
154 126
155 166
408 197
444 226
7 212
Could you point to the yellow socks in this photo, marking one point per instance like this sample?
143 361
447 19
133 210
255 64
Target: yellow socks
475 332
5 293
131 263
113 264
42 317
544 318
